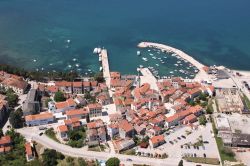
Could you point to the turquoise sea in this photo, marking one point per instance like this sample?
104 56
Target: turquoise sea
34 34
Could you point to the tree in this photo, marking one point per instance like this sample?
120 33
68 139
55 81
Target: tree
50 157
12 98
16 118
180 163
113 161
82 162
99 77
1 132
59 96
202 120
47 101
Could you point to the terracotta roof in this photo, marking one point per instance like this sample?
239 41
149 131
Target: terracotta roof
125 126
63 128
39 116
5 140
77 112
63 84
194 91
190 117
52 89
195 109
67 103
94 106
157 139
28 148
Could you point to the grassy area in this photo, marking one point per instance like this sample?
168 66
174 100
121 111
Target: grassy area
246 101
95 148
225 153
129 152
213 161
51 134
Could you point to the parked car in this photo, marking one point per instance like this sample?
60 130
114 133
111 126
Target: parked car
171 142
183 136
40 134
129 159
205 142
42 128
178 138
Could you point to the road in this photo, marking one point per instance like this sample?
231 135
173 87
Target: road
33 133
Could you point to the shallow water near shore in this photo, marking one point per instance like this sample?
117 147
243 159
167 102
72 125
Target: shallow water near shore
61 34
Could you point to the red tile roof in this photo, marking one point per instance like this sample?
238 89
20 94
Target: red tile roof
63 128
157 139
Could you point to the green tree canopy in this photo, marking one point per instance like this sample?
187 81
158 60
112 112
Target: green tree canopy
180 163
202 120
16 118
50 157
113 161
59 96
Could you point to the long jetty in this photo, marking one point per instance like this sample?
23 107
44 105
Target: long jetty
170 49
105 66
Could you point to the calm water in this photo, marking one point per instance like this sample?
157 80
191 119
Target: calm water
214 32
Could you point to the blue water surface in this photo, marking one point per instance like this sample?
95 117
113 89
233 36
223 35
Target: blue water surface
34 34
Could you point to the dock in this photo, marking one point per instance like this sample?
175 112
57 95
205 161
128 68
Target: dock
170 49
105 66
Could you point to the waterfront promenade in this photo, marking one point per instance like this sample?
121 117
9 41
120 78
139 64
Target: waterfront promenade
148 77
105 66
180 53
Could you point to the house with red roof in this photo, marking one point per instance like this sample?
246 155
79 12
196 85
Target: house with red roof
30 155
94 110
156 141
5 144
73 123
63 132
77 113
96 132
189 119
126 129
63 106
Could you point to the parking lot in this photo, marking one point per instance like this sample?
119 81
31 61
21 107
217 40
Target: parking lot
180 142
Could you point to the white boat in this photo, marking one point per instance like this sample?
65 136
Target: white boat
141 66
162 62
145 59
154 57
68 41
95 51
149 50
178 61
99 50
157 64
77 65
34 60
100 69
100 58
69 66
171 72
176 64
74 59
89 69
138 53
151 54
196 71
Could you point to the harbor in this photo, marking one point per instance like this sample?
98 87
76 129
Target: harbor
170 49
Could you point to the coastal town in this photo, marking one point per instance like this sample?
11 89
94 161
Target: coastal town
140 119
